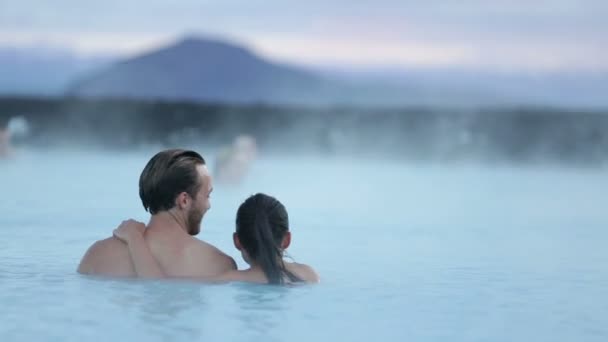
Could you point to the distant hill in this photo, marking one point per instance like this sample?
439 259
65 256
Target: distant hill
206 70
42 70
455 87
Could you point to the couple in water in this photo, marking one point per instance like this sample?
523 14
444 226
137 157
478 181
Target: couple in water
175 187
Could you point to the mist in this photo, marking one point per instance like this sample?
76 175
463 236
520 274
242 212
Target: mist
484 135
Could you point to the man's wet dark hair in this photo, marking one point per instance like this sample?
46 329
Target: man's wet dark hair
168 174
261 224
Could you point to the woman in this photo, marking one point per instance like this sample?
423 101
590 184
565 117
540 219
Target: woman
262 235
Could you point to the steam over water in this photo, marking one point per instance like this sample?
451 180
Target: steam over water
417 252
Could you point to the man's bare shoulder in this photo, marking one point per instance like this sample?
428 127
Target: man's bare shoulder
196 244
108 257
208 259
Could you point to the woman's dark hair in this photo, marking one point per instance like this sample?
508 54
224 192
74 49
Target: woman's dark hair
261 224
166 175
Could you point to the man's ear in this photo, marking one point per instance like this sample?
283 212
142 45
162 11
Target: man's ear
182 201
237 242
286 240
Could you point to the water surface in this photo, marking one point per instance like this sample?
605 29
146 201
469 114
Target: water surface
406 252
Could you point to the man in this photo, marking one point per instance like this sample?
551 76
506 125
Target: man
5 139
174 187
234 162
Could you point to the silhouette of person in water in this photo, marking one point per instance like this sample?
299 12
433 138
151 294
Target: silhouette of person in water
5 139
13 128
234 162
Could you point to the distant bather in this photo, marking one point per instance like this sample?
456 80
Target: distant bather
233 162
4 142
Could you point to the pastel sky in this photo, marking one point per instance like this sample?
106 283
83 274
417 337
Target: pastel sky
487 34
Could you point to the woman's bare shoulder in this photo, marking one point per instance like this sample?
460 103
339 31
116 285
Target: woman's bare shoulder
304 272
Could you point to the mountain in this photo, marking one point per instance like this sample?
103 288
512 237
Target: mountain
42 70
472 87
206 70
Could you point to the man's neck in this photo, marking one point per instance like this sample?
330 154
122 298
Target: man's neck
166 222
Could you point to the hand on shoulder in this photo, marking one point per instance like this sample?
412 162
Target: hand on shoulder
129 230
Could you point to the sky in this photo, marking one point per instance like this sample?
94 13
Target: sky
534 35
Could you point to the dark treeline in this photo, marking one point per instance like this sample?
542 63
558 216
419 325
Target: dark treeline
522 134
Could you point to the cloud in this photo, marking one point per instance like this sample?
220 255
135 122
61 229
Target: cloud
513 34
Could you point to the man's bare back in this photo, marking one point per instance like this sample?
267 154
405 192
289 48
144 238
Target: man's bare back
181 257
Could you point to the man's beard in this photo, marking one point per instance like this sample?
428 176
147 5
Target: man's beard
195 217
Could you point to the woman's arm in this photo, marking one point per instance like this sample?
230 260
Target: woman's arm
132 233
